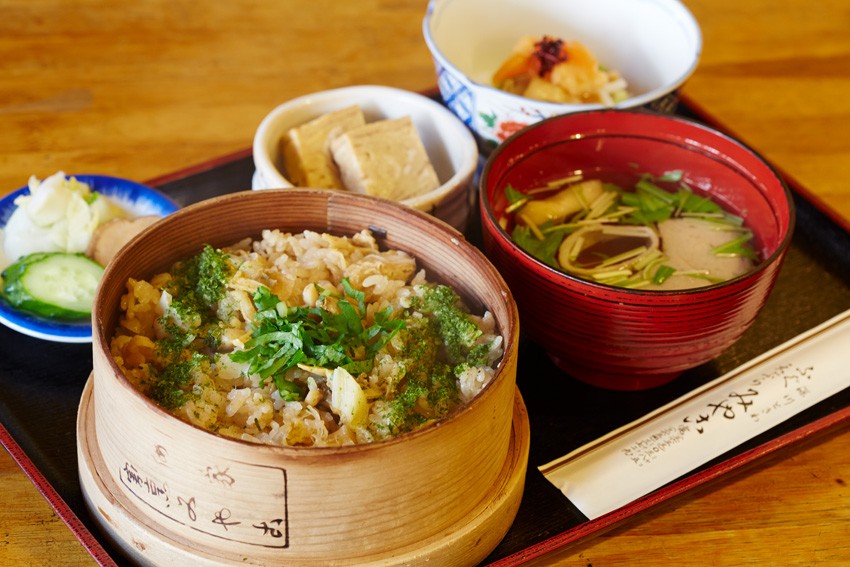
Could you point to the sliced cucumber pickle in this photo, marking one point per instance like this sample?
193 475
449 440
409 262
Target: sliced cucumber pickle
56 285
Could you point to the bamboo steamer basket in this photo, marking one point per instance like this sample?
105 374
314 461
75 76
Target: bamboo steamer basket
169 493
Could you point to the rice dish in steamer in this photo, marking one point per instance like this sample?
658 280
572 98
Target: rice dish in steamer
303 270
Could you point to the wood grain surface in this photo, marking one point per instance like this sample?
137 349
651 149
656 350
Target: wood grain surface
143 88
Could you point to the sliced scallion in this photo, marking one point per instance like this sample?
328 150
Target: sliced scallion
576 248
623 273
601 204
648 259
564 180
736 247
516 205
512 195
649 188
531 226
662 273
622 257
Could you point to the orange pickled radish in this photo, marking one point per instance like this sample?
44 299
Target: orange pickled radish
580 56
516 65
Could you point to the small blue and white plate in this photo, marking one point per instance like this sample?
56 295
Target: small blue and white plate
139 199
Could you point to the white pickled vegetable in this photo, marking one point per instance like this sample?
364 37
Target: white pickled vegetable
59 215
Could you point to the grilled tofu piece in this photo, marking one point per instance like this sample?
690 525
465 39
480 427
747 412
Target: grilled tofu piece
385 158
306 152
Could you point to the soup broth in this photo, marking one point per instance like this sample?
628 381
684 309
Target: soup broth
640 231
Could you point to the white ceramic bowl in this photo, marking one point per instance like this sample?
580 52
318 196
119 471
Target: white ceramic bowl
654 44
450 145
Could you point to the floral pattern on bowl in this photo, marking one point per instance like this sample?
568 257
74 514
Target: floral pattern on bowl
656 57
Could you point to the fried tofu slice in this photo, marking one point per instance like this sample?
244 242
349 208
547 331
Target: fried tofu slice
385 158
305 148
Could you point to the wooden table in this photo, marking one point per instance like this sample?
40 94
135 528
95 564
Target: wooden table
139 89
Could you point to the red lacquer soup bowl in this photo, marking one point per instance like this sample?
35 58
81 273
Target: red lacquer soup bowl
632 339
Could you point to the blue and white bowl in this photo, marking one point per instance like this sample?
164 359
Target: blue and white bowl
139 200
654 44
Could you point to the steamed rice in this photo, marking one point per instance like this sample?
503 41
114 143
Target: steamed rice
312 271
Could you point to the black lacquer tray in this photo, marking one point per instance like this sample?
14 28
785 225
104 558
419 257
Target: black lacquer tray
41 384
